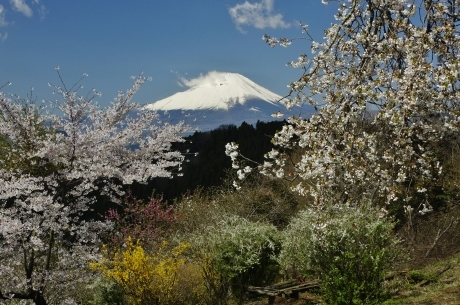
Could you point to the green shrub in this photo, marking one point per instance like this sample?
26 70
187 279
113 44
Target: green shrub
236 253
106 292
348 248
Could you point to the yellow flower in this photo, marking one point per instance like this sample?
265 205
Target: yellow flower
145 278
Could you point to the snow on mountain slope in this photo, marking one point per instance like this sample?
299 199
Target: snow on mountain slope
217 91
220 98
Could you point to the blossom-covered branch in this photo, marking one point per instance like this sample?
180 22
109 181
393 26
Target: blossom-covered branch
385 85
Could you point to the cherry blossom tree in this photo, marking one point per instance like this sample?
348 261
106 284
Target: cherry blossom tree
384 82
51 168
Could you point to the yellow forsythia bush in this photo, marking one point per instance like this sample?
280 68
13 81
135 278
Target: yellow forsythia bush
149 279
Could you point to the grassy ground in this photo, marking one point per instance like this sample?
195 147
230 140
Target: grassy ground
435 283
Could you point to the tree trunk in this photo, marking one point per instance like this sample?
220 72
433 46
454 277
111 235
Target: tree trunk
38 298
31 294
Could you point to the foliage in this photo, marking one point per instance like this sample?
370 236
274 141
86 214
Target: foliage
147 223
235 253
190 286
349 248
385 85
259 199
146 279
415 276
105 292
140 261
197 210
51 168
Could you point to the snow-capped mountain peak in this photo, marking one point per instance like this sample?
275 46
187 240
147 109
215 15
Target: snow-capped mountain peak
220 98
215 91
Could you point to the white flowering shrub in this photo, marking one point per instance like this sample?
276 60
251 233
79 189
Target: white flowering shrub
51 168
384 81
236 253
350 248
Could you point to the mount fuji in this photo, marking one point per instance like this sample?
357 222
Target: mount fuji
219 98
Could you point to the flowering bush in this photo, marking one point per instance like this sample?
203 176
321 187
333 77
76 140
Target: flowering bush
140 261
348 247
148 223
145 279
236 253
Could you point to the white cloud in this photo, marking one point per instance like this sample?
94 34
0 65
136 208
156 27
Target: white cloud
42 11
210 78
259 15
21 6
3 21
3 36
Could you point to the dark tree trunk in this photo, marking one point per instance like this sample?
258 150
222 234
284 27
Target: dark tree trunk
38 298
31 294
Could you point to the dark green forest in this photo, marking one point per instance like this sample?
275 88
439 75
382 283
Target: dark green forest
206 163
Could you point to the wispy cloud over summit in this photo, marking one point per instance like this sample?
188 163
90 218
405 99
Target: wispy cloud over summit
260 15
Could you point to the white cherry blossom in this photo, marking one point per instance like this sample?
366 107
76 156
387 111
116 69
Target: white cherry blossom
51 168
384 81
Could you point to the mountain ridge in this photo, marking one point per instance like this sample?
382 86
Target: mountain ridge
215 90
220 98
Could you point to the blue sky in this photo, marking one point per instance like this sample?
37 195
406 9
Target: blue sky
164 39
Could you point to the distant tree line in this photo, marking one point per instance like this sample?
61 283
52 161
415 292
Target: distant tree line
206 162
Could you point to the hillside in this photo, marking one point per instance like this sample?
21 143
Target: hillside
433 284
